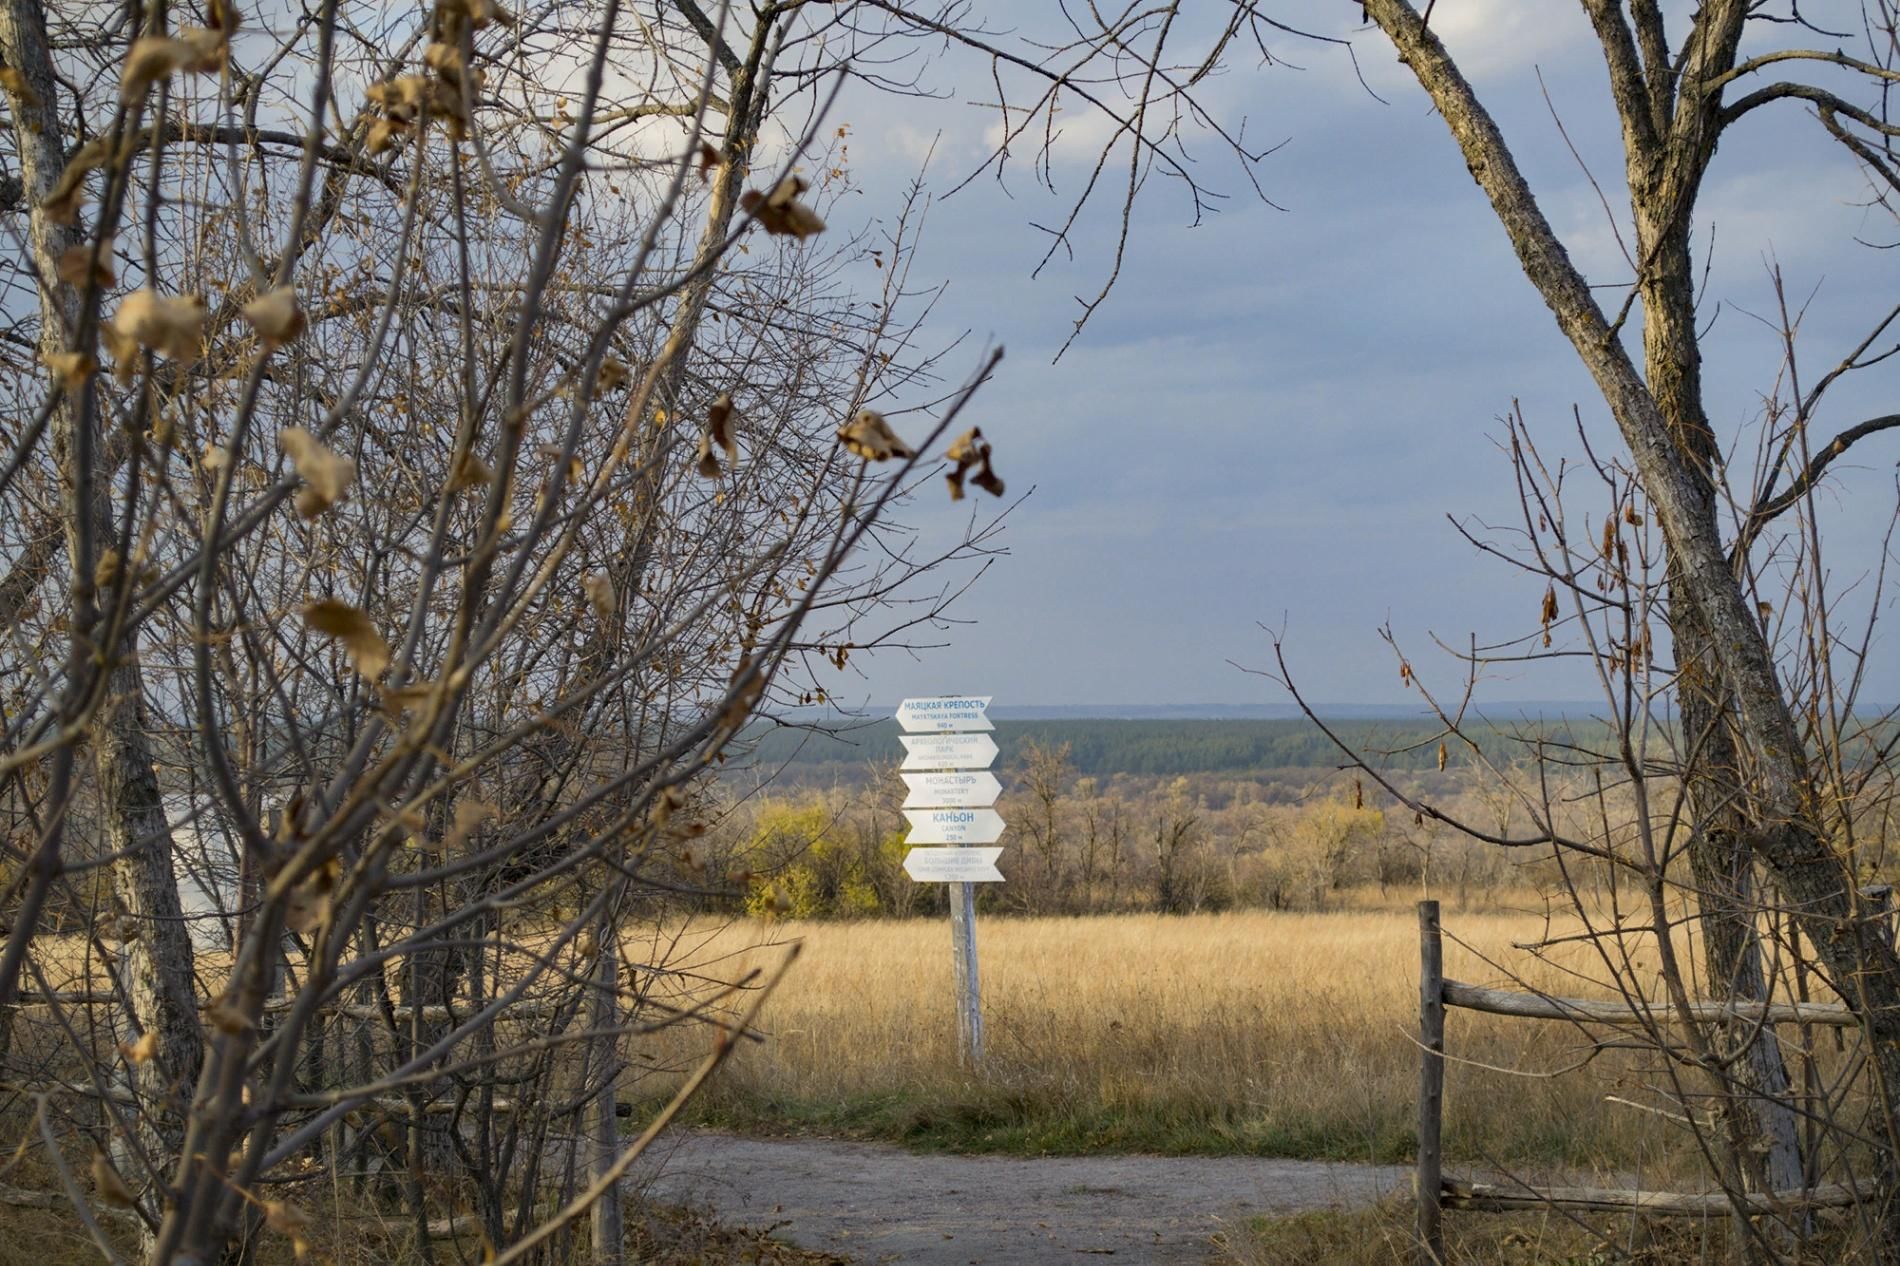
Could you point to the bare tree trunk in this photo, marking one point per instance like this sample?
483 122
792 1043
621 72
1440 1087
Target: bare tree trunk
603 1016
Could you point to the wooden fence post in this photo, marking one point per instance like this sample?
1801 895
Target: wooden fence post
1431 1085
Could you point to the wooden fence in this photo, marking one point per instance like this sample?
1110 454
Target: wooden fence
1436 1192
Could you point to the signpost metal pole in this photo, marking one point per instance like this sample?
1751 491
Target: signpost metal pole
969 991
952 806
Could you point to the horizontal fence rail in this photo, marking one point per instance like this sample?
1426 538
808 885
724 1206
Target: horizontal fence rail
1435 1192
1532 1006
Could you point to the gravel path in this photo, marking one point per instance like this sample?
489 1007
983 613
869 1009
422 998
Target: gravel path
875 1203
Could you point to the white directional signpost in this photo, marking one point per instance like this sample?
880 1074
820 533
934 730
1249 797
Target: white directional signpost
954 865
946 769
948 751
954 826
952 789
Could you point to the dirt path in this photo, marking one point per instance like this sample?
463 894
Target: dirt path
876 1203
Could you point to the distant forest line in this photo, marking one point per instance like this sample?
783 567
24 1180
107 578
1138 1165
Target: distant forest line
1101 748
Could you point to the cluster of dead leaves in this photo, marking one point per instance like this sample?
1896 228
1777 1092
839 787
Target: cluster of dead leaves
447 93
869 435
971 450
200 50
173 326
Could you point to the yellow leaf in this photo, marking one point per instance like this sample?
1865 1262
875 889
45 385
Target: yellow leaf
14 82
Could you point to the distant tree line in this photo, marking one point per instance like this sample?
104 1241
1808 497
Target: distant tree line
1101 748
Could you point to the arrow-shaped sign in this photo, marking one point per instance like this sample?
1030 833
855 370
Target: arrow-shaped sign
952 788
945 714
953 865
948 751
954 826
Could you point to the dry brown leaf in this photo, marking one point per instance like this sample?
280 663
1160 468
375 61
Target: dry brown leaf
600 594
368 652
326 475
383 134
289 1220
76 268
106 570
215 456
141 1049
445 60
400 699
71 368
469 814
470 472
62 203
987 479
745 696
401 98
780 212
869 436
669 802
14 82
1442 755
477 13
171 324
227 1017
106 1182
719 417
311 901
156 57
709 158
275 316
613 374
704 460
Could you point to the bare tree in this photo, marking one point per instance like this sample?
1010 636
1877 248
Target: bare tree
459 431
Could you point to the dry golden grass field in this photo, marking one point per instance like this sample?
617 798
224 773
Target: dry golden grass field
1283 1034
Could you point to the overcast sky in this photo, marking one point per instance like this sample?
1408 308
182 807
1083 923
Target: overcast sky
1270 420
